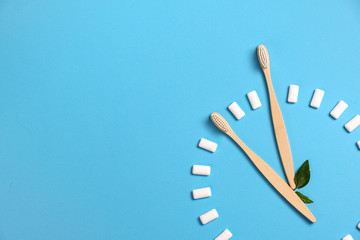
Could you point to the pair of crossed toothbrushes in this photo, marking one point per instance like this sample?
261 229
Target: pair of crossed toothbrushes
282 141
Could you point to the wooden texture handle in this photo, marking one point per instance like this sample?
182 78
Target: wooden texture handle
280 133
276 181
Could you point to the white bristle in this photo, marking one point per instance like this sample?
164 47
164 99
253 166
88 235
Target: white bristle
220 122
263 56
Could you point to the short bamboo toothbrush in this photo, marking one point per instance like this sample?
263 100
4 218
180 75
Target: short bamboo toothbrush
277 119
276 181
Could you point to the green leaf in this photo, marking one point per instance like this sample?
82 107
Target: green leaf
304 198
302 176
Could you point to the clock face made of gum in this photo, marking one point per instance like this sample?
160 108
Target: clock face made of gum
230 165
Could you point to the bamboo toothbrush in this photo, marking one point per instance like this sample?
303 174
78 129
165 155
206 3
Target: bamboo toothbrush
276 181
277 119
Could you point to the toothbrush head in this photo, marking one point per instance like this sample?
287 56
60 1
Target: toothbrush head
263 56
220 122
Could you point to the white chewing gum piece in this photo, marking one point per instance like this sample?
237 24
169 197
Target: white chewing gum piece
236 110
353 124
348 237
201 193
208 145
225 235
254 100
339 109
293 93
317 98
201 170
209 216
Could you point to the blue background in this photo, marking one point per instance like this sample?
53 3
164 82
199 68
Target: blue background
102 105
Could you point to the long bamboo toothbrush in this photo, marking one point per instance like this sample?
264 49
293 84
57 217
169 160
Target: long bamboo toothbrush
276 181
277 119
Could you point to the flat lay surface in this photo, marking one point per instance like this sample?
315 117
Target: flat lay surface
103 104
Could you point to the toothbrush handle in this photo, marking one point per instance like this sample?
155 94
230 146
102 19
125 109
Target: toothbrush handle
275 180
280 133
